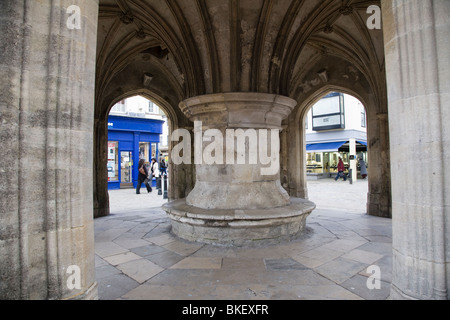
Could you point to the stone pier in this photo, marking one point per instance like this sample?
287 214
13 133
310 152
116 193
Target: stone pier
47 71
238 198
417 46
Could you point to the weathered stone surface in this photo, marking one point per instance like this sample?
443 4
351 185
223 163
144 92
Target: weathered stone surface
46 114
288 49
417 46
244 227
238 181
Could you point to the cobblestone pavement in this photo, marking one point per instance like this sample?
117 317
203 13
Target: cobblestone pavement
137 257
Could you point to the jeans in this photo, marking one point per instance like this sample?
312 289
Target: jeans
139 183
340 173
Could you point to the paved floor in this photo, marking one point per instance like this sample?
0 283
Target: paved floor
138 258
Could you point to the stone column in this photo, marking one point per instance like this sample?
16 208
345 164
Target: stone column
100 183
353 163
238 198
296 157
47 67
416 35
379 193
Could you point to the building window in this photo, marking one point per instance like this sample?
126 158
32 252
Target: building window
151 107
328 113
363 117
119 107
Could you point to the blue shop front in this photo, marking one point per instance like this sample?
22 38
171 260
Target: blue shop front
130 139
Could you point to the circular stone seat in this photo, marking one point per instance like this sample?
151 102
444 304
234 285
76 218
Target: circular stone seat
239 227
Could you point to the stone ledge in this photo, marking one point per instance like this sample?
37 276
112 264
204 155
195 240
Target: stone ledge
239 227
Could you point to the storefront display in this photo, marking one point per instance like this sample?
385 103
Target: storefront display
130 139
126 164
325 163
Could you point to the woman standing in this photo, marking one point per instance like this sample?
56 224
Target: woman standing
363 168
142 177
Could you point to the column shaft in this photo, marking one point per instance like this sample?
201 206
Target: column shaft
418 68
47 67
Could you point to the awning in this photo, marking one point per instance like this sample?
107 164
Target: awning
324 147
362 142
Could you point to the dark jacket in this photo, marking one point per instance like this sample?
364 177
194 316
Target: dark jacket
141 176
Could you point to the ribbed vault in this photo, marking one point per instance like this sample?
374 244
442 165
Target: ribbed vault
200 47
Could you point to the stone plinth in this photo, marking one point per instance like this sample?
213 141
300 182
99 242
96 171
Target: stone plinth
239 227
238 198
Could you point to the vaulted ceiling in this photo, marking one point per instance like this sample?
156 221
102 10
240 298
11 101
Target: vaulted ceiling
183 48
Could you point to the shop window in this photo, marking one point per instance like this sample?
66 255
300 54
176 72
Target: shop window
314 162
144 151
154 155
113 161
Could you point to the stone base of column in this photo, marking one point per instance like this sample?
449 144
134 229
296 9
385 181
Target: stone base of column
397 294
90 294
246 227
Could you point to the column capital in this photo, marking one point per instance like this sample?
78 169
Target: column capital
239 109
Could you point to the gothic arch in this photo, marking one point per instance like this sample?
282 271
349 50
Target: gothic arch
294 154
179 184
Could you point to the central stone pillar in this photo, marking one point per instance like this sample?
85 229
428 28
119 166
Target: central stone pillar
238 198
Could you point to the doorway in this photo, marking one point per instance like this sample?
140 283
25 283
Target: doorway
126 169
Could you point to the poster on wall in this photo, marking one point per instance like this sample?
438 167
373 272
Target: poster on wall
111 169
113 161
111 150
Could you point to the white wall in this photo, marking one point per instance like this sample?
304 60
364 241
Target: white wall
352 111
136 105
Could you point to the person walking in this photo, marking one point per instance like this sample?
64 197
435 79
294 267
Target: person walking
363 168
142 177
155 172
162 167
341 169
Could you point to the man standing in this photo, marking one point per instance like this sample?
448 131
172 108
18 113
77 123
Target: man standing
162 167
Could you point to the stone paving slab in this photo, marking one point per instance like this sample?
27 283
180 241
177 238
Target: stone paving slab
137 257
122 258
140 270
198 263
